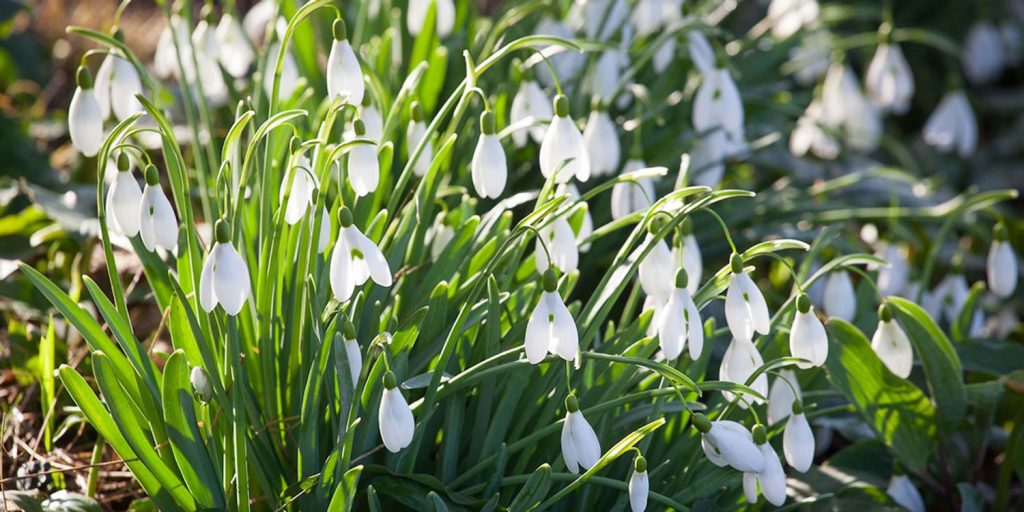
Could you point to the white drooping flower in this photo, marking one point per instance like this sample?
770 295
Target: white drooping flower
689 259
123 200
608 72
984 55
439 234
444 16
746 311
701 52
158 225
844 107
639 485
580 446
789 16
560 241
647 17
289 72
740 361
551 328
395 418
563 149
718 104
566 64
173 37
602 141
344 76
489 169
810 60
903 492
259 17
655 269
324 239
727 443
951 294
85 119
811 134
840 297
117 83
207 55
784 391
363 164
707 160
1002 264
798 440
225 277
372 119
889 81
236 52
416 133
771 480
891 344
632 196
952 126
586 220
894 278
807 338
355 259
353 355
303 188
679 322
200 383
530 105
664 56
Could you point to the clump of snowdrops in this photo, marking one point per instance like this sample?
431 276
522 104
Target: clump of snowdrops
395 270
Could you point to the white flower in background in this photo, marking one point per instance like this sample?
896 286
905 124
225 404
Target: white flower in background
324 240
580 447
158 225
952 126
689 259
289 72
810 134
844 106
586 220
707 158
560 241
123 200
355 259
225 277
984 55
200 383
655 268
892 345
255 21
798 440
784 391
488 168
602 141
563 142
395 418
893 279
117 83
1002 264
639 485
807 338
344 76
632 196
647 17
701 52
444 16
903 492
363 164
303 187
727 443
789 16
679 322
85 119
418 132
551 328
236 52
840 297
352 352
207 54
889 81
771 479
952 294
372 119
664 56
718 104
174 37
740 361
565 63
810 60
746 311
594 18
439 234
530 103
1013 42
608 71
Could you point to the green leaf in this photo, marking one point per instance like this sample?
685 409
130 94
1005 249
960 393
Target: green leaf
345 494
533 491
961 328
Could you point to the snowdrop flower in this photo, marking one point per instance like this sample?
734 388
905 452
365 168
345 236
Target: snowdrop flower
157 223
746 311
117 83
689 259
440 234
255 21
207 54
352 353
363 165
740 361
551 328
718 104
394 418
289 72
811 58
952 295
85 120
165 60
811 135
727 443
560 240
678 322
355 259
771 479
701 52
586 221
303 186
324 239
893 279
602 142
798 440
984 55
599 19
639 485
632 196
418 132
655 267
225 277
530 103
580 447
488 168
372 119
236 52
784 391
840 297
444 16
200 384
1002 264
344 76
563 142
903 492
608 72
952 126
647 17
889 81
789 16
664 56
844 106
707 158
892 345
123 200
807 338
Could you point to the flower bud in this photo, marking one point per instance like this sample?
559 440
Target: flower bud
200 384
389 381
561 104
701 422
572 404
345 217
152 175
340 34
223 231
550 280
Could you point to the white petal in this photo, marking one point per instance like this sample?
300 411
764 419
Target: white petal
736 446
236 53
125 201
738 364
565 342
602 143
656 270
781 396
1002 269
299 197
396 421
840 297
376 263
798 443
230 279
692 262
147 211
671 326
750 490
355 360
808 340
586 446
893 348
342 274
325 231
639 487
561 242
903 492
416 133
165 222
538 331
344 76
772 478
207 297
363 169
488 168
695 327
569 446
124 85
745 309
563 142
101 85
85 122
